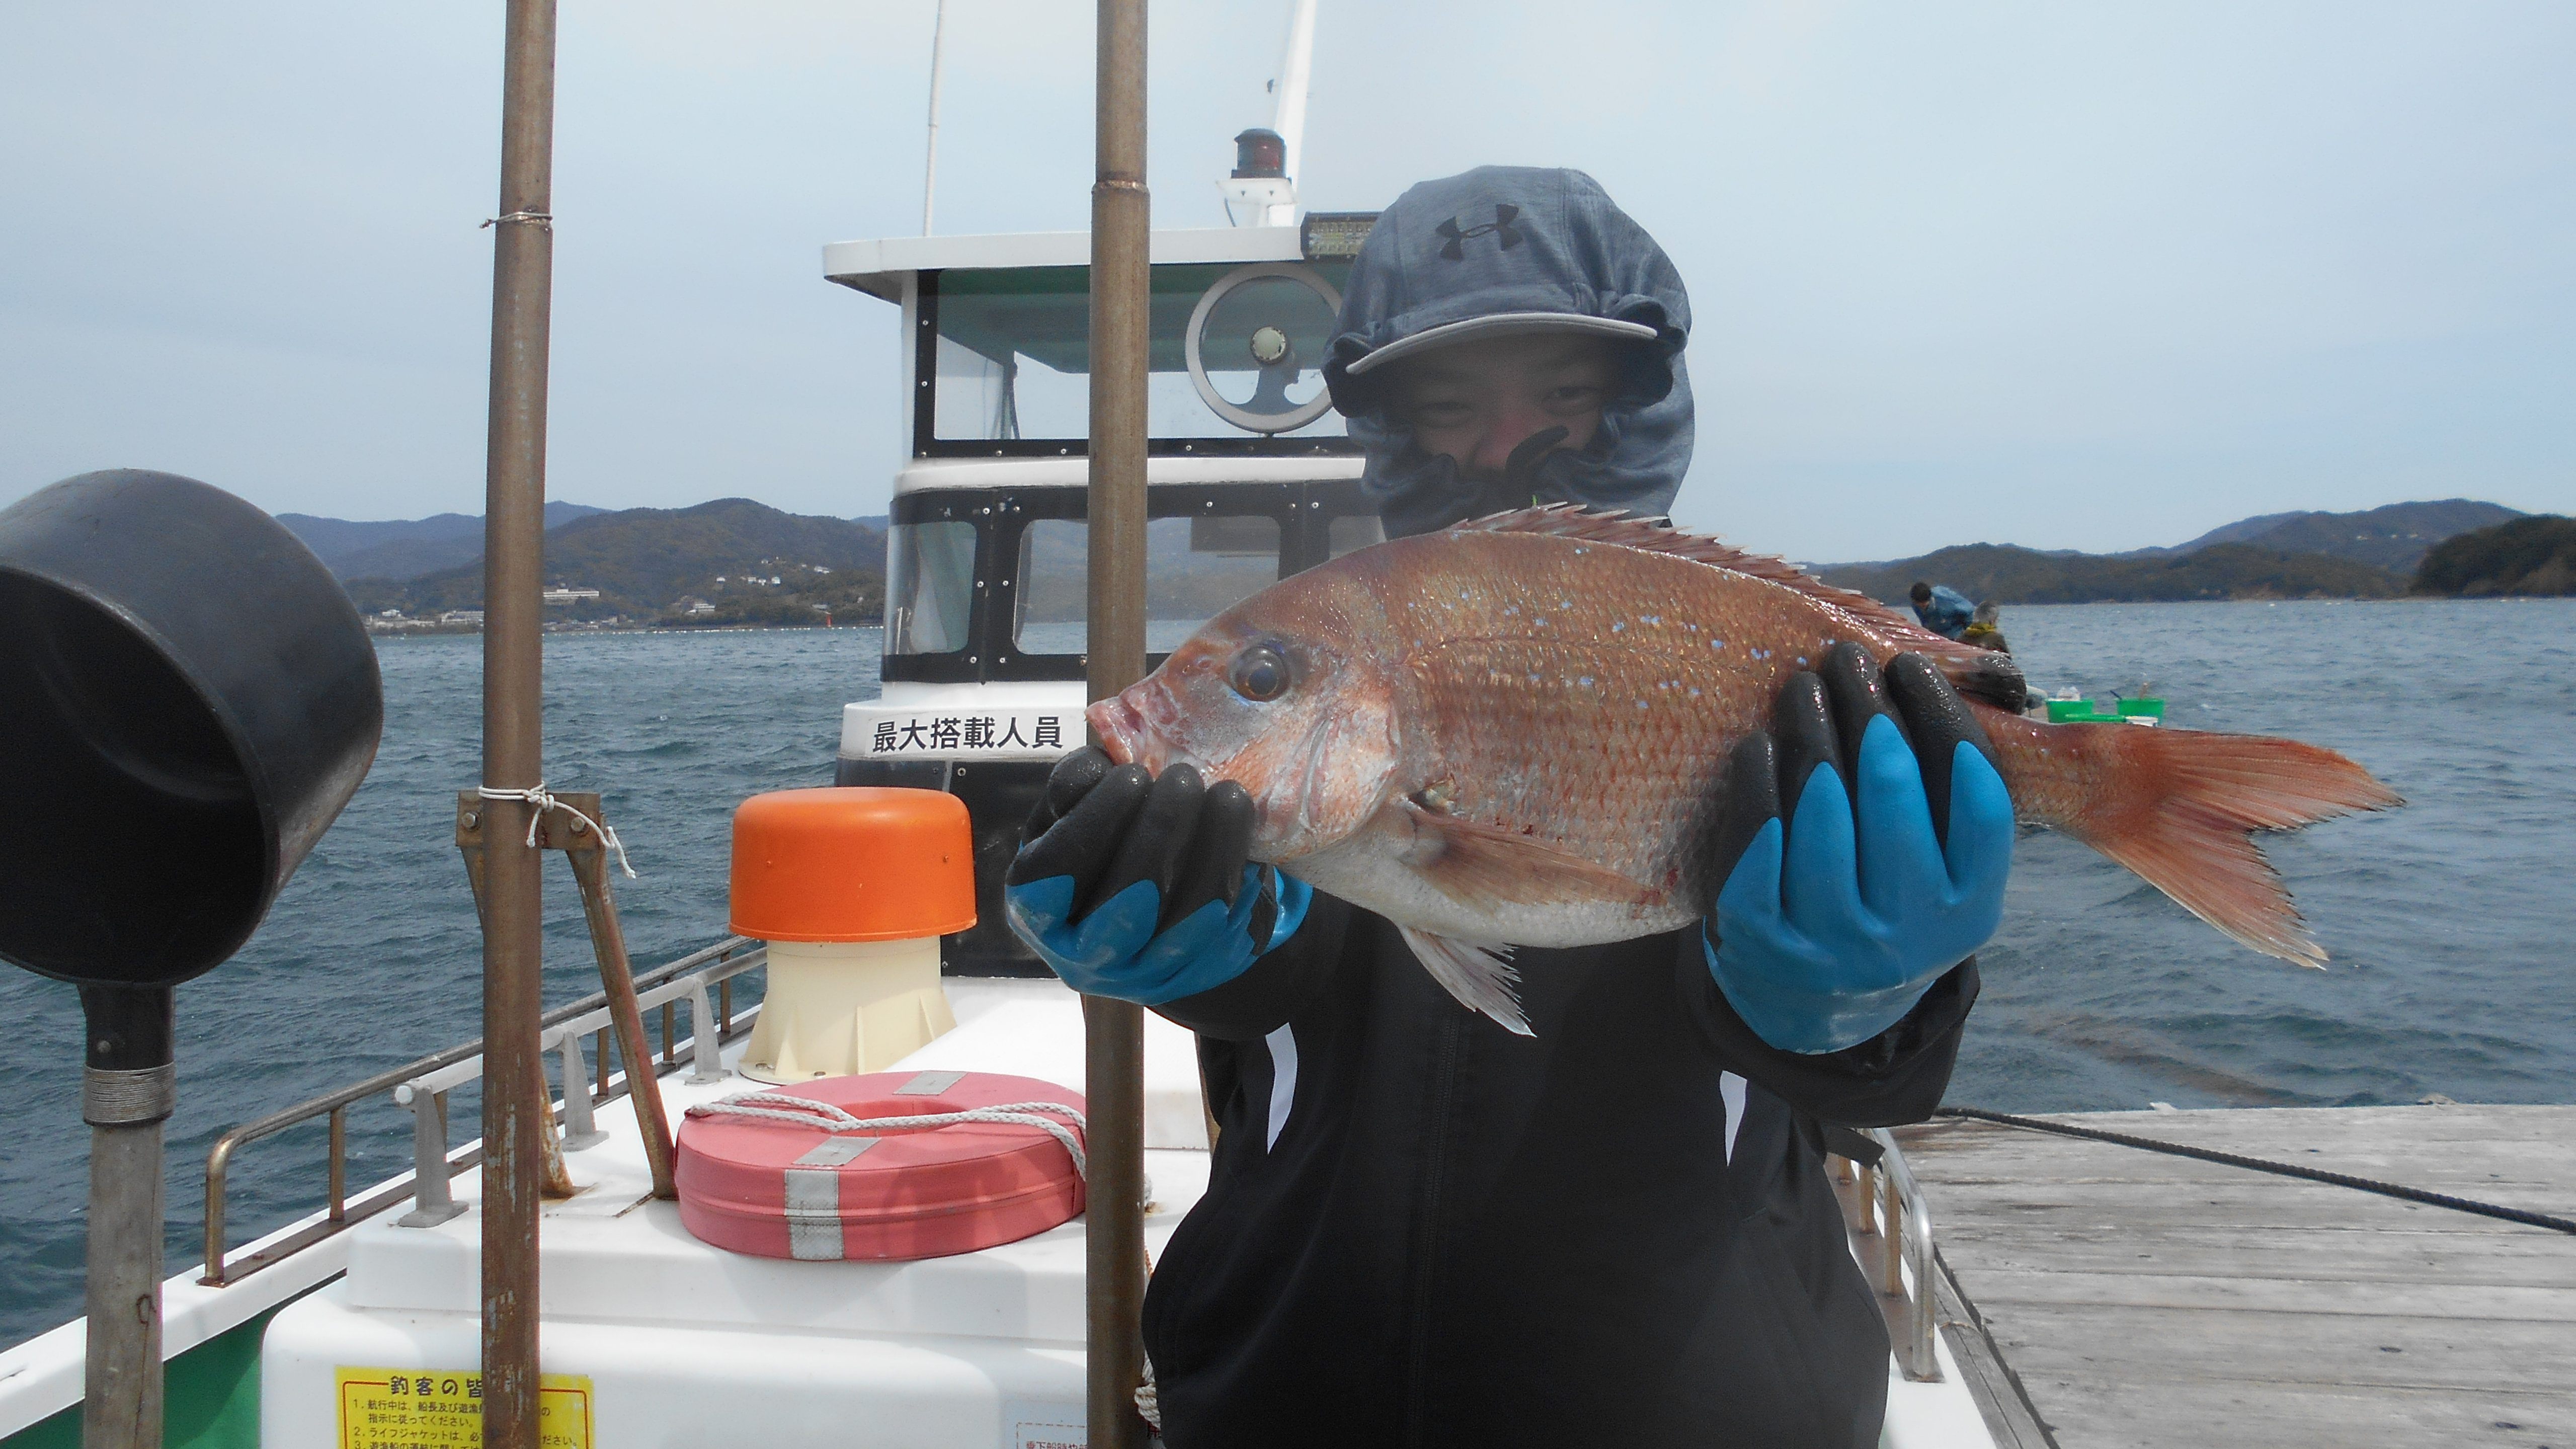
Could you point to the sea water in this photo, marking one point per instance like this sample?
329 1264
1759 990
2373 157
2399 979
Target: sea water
2448 920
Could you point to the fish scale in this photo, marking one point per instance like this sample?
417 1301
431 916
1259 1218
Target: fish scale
1620 769
1513 732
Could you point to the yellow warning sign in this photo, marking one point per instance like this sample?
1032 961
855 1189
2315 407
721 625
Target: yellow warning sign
401 1408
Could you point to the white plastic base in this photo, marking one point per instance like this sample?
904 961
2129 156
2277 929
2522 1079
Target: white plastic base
845 1008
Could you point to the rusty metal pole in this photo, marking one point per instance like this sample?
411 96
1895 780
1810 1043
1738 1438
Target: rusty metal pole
128 1088
513 735
1114 1031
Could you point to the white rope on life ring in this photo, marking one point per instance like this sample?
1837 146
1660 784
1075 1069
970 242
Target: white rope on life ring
806 1112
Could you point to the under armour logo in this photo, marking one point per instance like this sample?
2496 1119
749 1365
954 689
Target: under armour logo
1501 226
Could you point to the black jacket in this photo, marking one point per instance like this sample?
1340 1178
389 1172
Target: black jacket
1463 1237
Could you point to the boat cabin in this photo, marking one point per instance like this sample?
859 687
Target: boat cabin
1250 478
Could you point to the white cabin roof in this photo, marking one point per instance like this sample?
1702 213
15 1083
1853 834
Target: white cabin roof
878 267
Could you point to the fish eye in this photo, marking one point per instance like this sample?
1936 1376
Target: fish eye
1260 672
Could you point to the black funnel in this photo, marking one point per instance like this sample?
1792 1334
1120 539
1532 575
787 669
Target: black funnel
187 698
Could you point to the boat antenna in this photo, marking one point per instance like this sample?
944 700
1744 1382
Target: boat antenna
930 157
1114 1031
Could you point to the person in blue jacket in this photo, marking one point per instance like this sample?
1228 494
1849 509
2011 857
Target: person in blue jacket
1944 610
1421 1229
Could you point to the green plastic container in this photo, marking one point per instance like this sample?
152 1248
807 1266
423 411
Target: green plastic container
2089 711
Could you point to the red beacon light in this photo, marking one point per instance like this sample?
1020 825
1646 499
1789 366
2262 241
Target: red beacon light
1260 154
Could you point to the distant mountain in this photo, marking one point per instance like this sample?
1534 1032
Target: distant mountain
2395 537
404 548
2008 575
2270 556
2243 530
2530 555
748 560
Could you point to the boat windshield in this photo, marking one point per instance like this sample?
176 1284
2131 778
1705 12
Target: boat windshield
930 587
1194 568
1014 353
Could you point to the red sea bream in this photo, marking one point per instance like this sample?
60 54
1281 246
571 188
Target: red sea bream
1514 732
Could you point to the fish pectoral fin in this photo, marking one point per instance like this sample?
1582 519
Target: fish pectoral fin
1487 866
1478 976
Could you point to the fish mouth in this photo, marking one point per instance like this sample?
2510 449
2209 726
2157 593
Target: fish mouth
1124 734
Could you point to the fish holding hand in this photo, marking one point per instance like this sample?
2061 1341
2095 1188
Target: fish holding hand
1517 732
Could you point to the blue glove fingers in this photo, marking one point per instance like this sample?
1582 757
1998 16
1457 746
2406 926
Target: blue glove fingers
1820 876
1903 876
1748 904
1116 952
1982 833
1828 928
1088 954
1207 948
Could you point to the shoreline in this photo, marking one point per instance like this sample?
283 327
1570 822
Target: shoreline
555 631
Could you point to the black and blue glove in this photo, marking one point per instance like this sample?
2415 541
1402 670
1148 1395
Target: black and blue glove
1889 868
1139 888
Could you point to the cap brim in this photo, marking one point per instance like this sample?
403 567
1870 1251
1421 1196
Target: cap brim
1501 324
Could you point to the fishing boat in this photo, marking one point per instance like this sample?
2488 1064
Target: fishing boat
1248 480
446 1304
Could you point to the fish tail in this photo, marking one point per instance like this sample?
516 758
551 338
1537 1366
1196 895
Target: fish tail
2179 807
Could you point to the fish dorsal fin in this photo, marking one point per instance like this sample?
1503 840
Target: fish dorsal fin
1974 671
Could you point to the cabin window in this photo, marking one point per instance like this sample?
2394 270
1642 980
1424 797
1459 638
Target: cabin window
930 587
1195 568
1013 354
1353 531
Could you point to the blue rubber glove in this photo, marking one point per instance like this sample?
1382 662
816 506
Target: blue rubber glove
1139 889
1890 870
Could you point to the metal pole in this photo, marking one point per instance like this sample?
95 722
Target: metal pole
930 161
617 982
1113 1081
513 736
128 1087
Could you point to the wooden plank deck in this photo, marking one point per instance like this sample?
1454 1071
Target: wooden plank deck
2135 1298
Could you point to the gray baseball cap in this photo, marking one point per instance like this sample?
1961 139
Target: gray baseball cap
1504 251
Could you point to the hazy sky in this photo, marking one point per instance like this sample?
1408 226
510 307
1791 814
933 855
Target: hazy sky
2066 274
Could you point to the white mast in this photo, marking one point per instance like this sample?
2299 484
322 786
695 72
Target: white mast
930 160
1266 199
1289 117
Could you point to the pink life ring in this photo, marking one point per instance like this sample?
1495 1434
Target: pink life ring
808 1171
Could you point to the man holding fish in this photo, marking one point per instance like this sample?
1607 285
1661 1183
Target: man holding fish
1544 886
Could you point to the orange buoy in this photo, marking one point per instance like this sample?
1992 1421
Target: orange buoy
852 887
852 863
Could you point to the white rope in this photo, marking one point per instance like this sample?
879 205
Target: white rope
544 219
806 1112
1149 1402
545 802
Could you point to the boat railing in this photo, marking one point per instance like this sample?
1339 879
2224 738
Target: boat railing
703 977
1891 1235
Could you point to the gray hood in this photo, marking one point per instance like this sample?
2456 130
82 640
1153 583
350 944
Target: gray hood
1517 240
